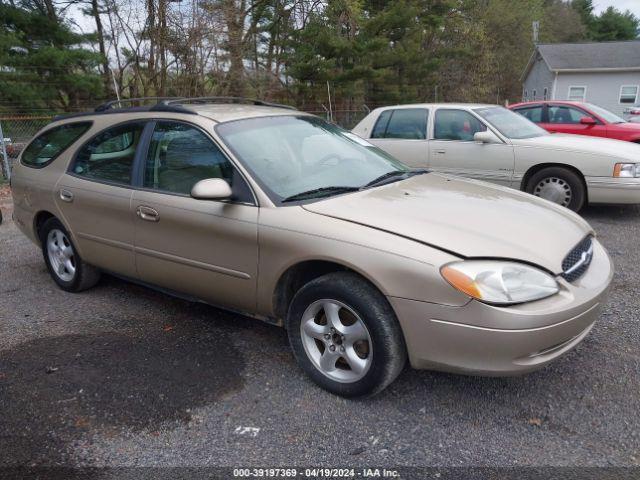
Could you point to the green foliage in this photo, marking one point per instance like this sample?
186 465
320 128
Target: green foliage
612 24
44 63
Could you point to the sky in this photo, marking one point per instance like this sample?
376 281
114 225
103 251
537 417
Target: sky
633 5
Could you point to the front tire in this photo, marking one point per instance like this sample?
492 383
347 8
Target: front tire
345 335
558 185
63 261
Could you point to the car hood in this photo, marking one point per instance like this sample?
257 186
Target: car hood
627 126
585 144
466 217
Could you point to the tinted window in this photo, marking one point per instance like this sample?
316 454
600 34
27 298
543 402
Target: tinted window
52 143
407 123
109 155
563 114
381 125
457 125
531 113
180 156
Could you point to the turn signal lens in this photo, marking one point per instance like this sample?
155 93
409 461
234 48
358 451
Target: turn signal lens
626 170
497 282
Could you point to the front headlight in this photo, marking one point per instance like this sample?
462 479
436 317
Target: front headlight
499 282
626 170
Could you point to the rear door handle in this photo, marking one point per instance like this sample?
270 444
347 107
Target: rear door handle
441 152
66 195
147 213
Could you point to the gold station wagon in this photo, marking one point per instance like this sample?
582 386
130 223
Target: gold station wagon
275 213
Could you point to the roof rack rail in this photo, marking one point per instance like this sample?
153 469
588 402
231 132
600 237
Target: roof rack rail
160 105
222 99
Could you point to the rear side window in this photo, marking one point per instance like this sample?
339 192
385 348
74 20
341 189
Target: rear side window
405 123
531 113
456 125
46 147
108 157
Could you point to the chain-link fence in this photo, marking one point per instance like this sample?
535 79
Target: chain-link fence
15 133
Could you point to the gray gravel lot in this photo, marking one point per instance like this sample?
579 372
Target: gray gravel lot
123 376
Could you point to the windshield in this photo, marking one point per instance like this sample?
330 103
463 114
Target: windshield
289 155
606 115
510 124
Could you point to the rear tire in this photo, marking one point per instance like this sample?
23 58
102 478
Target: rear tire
558 185
345 335
63 261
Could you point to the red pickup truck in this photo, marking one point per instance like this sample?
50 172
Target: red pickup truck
578 118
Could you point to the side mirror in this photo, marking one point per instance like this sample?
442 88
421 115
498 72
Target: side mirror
587 121
211 189
485 137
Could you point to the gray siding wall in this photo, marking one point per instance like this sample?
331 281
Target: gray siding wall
539 78
603 89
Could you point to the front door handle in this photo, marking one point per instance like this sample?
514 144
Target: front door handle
441 152
147 213
66 195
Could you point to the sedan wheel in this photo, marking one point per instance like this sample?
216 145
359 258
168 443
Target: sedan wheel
559 185
336 340
555 190
61 255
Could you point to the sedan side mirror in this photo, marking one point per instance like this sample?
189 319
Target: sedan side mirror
587 121
211 189
486 137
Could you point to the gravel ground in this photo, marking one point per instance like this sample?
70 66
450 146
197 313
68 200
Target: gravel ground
123 376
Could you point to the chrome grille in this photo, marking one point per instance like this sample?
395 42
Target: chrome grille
578 260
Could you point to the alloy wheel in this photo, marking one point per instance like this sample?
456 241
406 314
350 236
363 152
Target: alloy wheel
61 255
336 340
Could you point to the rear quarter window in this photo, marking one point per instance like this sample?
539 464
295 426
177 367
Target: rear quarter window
48 145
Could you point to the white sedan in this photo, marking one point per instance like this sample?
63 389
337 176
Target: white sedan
491 143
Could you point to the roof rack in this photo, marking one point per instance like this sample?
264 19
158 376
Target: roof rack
166 104
222 99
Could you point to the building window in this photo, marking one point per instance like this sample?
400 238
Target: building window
526 96
577 94
629 94
533 95
545 93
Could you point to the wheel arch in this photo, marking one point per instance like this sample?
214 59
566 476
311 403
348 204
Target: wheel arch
301 273
39 220
541 166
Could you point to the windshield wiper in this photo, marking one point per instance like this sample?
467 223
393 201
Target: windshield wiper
320 192
393 176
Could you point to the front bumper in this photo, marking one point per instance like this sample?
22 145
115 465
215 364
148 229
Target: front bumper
613 190
487 340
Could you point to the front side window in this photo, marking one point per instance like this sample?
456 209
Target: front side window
629 94
533 114
180 156
108 157
577 94
289 155
456 125
564 114
404 123
52 143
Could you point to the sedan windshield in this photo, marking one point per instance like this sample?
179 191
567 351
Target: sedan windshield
608 116
510 124
300 157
